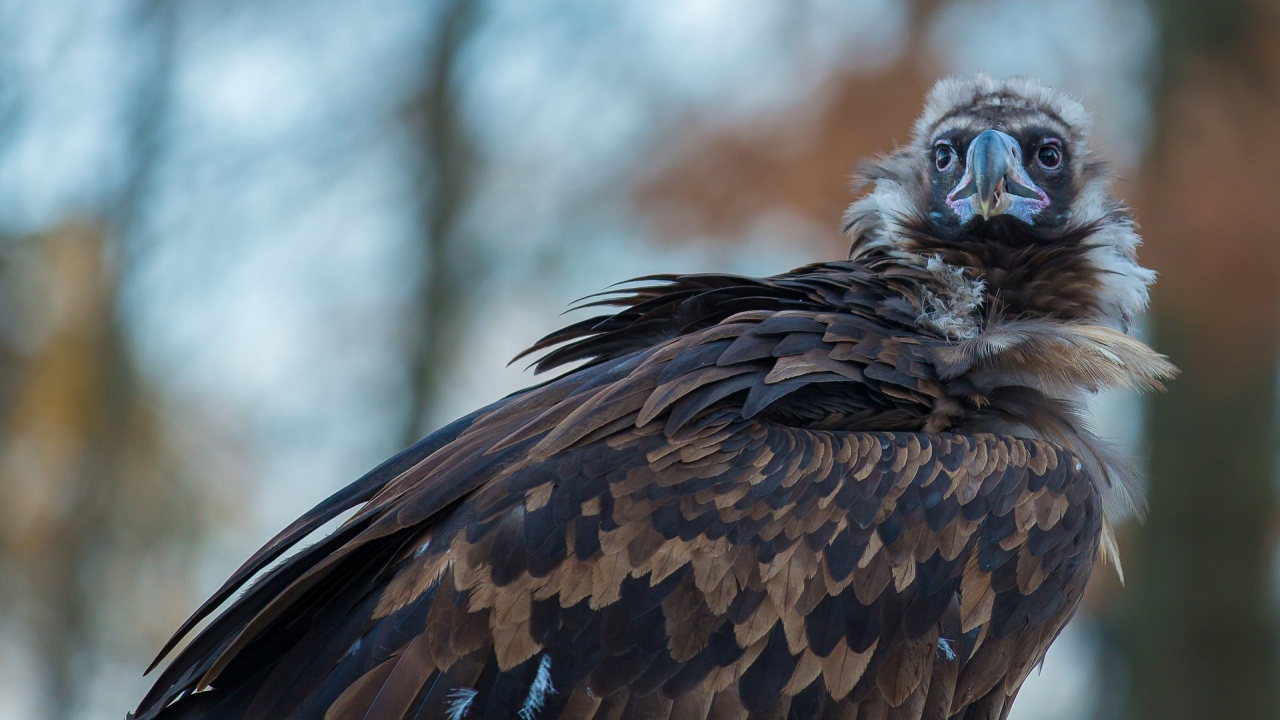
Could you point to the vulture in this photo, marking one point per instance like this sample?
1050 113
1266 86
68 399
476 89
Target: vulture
862 489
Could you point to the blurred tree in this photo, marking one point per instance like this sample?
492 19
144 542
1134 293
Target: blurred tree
96 516
88 494
720 181
1201 620
446 171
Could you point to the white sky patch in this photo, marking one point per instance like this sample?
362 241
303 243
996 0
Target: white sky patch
755 56
67 75
257 90
1081 55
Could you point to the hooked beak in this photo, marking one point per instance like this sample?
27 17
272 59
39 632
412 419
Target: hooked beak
995 182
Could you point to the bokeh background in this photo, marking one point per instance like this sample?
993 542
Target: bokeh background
249 248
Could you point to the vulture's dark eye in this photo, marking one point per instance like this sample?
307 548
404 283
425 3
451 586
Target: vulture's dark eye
944 156
1049 155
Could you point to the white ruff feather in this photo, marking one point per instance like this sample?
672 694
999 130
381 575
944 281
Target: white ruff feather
458 704
944 647
952 310
539 690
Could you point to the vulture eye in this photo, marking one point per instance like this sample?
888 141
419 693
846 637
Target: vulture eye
1049 155
944 156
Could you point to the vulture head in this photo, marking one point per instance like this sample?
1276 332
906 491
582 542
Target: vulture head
999 180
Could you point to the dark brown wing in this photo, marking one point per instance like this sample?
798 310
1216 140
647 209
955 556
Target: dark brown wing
674 305
744 570
673 533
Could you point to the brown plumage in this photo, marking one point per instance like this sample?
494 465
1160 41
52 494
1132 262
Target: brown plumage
861 489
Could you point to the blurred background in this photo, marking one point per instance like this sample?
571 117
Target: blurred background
249 248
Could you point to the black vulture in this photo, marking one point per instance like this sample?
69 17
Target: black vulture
860 489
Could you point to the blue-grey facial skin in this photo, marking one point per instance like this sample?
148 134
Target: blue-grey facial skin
995 182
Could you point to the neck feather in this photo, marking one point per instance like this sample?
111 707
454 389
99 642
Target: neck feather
1085 271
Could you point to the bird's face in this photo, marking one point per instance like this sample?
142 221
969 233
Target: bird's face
986 167
999 177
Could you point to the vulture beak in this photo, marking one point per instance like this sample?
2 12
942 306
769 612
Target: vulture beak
995 182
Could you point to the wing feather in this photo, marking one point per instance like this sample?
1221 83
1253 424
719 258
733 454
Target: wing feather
703 522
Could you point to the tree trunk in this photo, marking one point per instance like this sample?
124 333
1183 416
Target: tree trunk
446 171
1201 621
